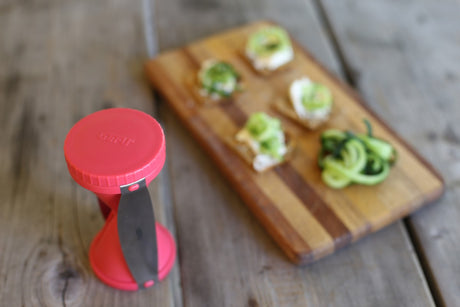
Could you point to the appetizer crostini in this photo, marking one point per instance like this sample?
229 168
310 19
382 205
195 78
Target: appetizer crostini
310 103
269 48
218 80
268 144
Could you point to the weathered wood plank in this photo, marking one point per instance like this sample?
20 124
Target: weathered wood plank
227 259
404 56
61 61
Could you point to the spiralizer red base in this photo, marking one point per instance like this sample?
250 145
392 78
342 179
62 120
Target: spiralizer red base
109 265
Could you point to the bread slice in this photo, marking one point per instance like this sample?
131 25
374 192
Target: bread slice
265 72
285 108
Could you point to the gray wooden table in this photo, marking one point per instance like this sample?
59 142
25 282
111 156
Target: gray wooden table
62 60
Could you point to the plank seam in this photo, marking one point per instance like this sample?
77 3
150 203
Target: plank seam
171 204
151 41
350 77
348 72
425 266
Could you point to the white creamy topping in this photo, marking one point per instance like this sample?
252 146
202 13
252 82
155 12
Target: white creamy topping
261 161
273 61
227 87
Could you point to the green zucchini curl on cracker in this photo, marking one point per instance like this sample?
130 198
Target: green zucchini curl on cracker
269 48
218 79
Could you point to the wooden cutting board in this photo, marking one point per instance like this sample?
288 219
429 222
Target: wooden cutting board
305 217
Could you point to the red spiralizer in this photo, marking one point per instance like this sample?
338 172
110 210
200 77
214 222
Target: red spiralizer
116 153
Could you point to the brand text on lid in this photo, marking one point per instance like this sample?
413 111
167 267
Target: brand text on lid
115 139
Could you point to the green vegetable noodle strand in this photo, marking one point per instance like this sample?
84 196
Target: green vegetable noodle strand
218 78
267 132
346 158
268 41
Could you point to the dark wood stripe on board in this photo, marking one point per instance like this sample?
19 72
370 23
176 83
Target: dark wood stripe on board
236 114
317 207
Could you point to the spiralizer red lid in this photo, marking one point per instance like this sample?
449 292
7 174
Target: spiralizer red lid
114 147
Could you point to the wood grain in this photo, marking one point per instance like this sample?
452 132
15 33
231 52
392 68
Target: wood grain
414 64
61 61
409 186
218 236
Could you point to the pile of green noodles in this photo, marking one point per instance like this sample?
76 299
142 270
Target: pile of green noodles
347 158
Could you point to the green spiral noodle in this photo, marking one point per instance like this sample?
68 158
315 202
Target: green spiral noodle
219 78
267 132
268 41
347 158
316 96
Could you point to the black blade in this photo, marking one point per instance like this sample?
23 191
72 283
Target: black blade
137 233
